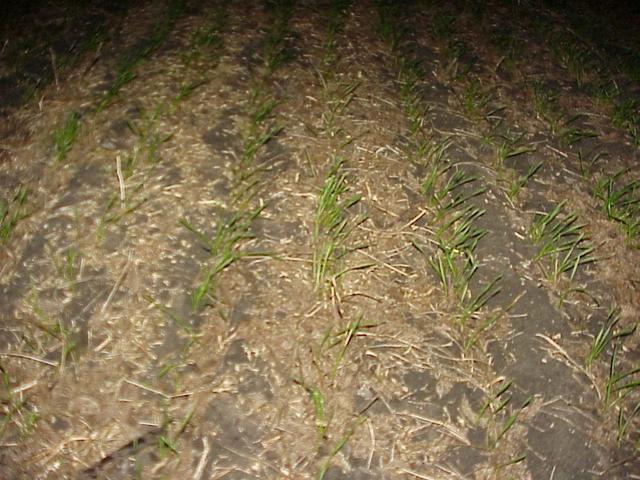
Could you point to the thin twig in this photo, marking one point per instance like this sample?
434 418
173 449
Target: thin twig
148 389
197 475
373 444
450 430
416 475
120 179
572 362
422 213
29 357
384 264
116 286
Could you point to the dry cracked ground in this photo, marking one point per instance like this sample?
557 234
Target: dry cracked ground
319 239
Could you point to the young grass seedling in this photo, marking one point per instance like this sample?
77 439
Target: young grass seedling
390 31
522 181
624 422
65 136
322 420
331 224
621 203
509 46
569 134
339 446
626 115
475 99
562 241
545 104
454 262
275 53
223 248
496 403
606 335
337 19
344 338
620 384
125 72
488 322
337 101
433 156
477 302
11 212
148 142
210 36
587 164
508 148
493 442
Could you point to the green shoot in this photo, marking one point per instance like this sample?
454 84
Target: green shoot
276 53
331 224
322 421
125 72
587 164
491 405
475 99
224 250
337 18
65 136
11 212
619 384
521 181
339 446
606 335
508 148
493 442
478 301
621 203
562 241
624 422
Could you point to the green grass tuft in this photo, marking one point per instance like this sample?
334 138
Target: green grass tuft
65 136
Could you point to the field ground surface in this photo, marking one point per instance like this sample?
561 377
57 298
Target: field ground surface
319 239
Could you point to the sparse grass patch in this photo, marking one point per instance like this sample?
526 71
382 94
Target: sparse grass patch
11 212
65 136
337 100
337 18
588 161
547 107
275 51
135 169
259 131
607 335
495 405
125 71
224 249
433 155
562 241
509 46
572 55
456 237
57 331
332 225
210 36
520 182
17 415
475 99
509 146
338 446
620 384
621 203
